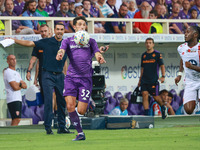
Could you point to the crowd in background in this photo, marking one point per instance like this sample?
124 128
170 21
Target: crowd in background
149 9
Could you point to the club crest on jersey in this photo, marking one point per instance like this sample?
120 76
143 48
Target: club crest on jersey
144 56
153 55
183 53
193 62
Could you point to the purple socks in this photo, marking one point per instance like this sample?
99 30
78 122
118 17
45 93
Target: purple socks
75 121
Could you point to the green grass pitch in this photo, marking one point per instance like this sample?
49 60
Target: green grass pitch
33 138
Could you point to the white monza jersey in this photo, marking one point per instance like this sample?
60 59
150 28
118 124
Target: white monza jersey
191 54
192 77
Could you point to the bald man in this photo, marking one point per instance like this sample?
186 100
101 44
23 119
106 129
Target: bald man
13 85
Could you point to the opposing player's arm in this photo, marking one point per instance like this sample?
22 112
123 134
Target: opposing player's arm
25 43
162 78
190 66
141 73
178 78
60 54
99 58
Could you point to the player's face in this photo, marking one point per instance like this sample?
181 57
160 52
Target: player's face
59 31
149 44
123 106
189 34
80 25
44 32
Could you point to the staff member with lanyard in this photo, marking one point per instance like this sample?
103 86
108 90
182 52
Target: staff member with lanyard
52 77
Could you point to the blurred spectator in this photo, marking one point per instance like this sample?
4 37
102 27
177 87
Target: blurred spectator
185 14
175 28
166 98
78 1
71 12
170 5
117 27
17 27
40 9
142 27
50 8
194 14
30 12
2 28
111 4
96 12
2 8
56 4
151 2
163 2
161 10
86 8
105 9
64 7
78 9
18 7
155 27
196 6
132 9
121 109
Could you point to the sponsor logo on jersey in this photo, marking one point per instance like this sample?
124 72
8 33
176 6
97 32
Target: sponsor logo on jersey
193 62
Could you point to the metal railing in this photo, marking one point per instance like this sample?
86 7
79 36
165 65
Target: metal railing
91 21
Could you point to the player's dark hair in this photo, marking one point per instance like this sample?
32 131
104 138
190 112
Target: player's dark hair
170 95
59 23
43 25
197 29
79 18
150 39
163 91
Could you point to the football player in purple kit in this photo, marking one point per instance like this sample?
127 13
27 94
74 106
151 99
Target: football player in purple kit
78 81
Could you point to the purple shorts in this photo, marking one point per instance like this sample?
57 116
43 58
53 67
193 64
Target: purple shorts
78 87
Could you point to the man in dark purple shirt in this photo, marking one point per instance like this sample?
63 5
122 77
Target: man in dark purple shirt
18 7
17 27
185 14
63 13
78 81
176 28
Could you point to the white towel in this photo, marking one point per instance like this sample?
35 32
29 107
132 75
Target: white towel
7 42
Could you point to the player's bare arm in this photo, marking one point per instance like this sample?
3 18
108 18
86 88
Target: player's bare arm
162 78
190 66
30 67
60 54
100 58
178 78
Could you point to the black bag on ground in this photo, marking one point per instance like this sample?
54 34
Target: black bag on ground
136 96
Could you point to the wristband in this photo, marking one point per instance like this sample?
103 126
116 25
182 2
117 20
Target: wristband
20 84
28 71
163 76
179 73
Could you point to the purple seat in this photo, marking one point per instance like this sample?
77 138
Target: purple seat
110 104
135 109
181 96
175 105
107 94
40 112
128 95
118 96
173 92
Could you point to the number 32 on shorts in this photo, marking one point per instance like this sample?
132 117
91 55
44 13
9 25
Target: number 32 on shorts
85 93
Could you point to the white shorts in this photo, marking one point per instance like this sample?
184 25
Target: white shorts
191 92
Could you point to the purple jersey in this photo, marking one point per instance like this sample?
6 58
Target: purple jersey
183 15
50 10
18 7
80 57
179 25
